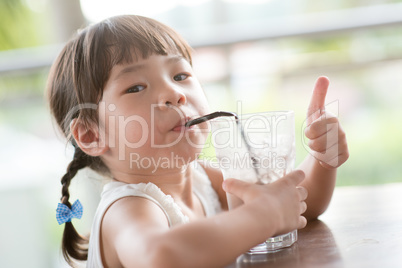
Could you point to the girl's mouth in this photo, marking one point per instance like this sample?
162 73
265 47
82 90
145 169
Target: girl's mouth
181 125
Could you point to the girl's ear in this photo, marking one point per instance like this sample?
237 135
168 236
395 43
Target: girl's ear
88 139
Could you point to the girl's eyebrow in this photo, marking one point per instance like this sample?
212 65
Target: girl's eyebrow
129 69
136 67
175 59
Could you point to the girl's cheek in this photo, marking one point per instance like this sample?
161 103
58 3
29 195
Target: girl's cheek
120 131
134 132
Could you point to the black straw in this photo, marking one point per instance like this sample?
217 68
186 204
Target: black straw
207 117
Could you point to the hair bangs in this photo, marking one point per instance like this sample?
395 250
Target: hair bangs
130 38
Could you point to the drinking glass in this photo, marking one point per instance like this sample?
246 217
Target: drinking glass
257 148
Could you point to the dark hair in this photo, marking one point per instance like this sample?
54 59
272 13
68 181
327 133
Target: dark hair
76 82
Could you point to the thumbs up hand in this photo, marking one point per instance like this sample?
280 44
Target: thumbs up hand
327 140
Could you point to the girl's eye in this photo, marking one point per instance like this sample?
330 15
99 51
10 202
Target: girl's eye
180 77
135 89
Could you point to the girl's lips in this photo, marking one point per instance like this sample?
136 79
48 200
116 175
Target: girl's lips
179 128
181 125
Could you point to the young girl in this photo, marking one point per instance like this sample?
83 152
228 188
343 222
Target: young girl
121 91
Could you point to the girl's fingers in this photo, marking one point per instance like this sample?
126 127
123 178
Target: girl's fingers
323 143
321 126
302 222
330 157
303 207
302 193
317 102
295 177
236 187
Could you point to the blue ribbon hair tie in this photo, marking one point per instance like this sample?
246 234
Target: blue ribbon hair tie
65 214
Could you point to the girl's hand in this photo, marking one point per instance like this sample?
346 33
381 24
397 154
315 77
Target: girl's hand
280 203
327 140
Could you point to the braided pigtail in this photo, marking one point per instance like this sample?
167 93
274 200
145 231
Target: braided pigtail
73 244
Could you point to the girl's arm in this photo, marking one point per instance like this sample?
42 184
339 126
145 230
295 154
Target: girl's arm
329 150
320 184
137 230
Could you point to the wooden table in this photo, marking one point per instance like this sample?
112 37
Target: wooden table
361 228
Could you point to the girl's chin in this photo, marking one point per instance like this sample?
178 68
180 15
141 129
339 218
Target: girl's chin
191 137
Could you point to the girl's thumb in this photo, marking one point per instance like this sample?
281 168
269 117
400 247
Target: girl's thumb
235 187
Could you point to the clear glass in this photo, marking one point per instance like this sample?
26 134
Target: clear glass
257 148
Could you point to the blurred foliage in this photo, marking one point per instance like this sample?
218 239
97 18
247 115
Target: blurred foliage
20 25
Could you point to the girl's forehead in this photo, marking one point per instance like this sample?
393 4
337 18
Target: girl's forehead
140 62
123 52
137 57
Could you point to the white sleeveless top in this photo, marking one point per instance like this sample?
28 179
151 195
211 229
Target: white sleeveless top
115 190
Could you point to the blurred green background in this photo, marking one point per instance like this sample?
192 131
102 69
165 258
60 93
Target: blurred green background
250 56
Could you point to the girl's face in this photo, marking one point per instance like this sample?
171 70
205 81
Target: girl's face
144 108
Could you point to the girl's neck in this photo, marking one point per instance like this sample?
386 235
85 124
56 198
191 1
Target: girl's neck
177 184
174 182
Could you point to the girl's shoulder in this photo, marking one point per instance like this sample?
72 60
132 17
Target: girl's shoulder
145 191
123 209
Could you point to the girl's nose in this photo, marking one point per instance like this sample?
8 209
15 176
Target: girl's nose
171 95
